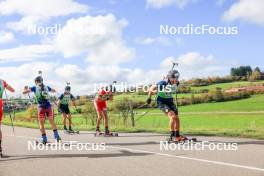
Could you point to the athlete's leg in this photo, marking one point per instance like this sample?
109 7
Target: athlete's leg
99 112
105 115
70 121
64 117
176 128
173 120
52 123
173 108
51 120
41 117
42 129
99 117
177 123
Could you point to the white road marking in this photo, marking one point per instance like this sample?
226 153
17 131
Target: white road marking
190 158
172 156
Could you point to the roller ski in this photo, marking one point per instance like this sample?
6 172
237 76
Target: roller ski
181 140
49 143
105 134
71 132
44 139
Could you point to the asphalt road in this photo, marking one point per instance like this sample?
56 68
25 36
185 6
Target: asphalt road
132 154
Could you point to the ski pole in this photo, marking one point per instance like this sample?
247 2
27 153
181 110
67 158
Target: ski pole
10 115
142 115
174 64
141 106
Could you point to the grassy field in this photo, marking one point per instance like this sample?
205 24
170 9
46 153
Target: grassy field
243 118
224 86
230 85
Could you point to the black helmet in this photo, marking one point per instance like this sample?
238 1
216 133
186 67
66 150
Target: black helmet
39 79
67 89
173 74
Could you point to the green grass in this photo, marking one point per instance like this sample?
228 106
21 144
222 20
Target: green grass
230 85
224 86
211 123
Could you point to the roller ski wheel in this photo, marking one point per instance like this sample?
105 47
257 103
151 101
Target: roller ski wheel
71 132
58 140
98 133
76 132
52 143
41 142
106 134
194 140
111 134
182 141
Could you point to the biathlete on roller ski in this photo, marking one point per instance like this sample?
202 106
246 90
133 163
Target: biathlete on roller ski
42 97
3 87
165 101
63 107
103 95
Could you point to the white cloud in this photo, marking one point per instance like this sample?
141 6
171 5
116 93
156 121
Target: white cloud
193 64
47 8
246 10
6 37
194 60
22 75
157 4
25 23
153 40
38 11
25 52
98 37
82 79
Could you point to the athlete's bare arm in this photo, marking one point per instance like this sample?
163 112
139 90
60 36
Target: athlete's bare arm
53 91
152 90
9 88
26 90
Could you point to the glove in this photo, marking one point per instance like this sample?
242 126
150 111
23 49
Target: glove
148 100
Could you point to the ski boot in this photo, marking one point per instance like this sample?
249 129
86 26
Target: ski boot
109 134
97 132
44 139
180 139
1 152
71 131
56 136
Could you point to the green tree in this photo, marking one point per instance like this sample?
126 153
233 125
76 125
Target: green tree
256 75
241 71
125 107
89 112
